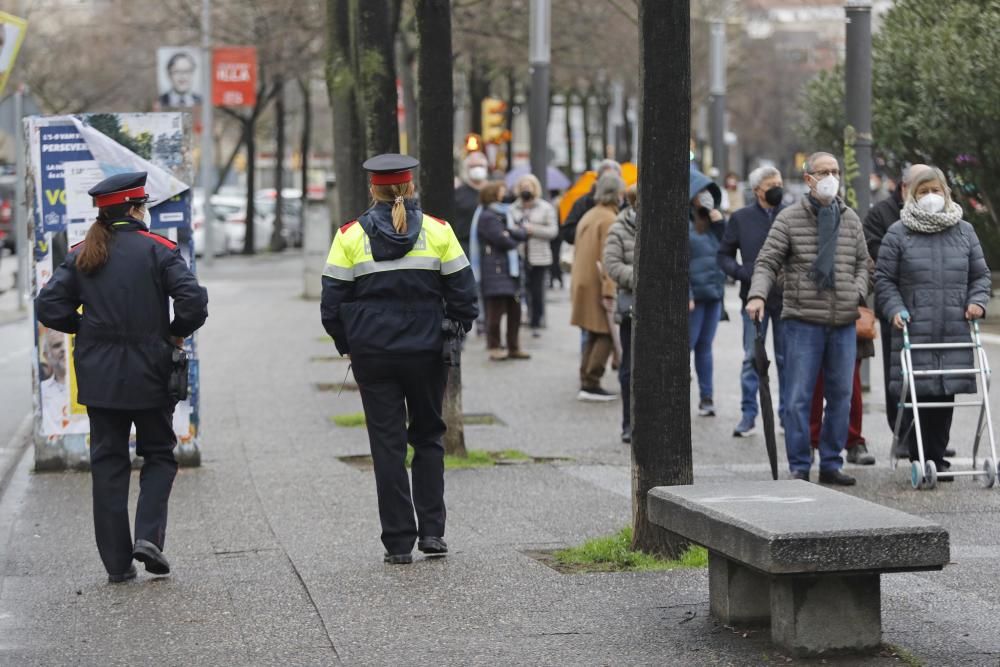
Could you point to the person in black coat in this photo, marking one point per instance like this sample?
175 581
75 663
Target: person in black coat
499 271
880 218
124 277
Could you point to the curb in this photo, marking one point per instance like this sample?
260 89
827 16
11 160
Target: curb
11 454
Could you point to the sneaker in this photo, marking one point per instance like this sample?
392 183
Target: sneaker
858 454
745 427
497 354
836 478
596 394
706 408
801 474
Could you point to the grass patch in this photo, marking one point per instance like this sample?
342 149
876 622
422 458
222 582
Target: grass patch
355 419
350 420
614 553
901 654
477 458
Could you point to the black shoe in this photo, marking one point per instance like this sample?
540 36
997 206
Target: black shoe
858 454
949 452
706 408
432 546
398 559
627 435
150 555
119 578
801 474
836 477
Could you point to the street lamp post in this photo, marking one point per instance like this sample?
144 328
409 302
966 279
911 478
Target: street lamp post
717 118
540 57
207 157
858 89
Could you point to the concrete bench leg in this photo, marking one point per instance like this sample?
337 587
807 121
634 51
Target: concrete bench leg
739 595
822 615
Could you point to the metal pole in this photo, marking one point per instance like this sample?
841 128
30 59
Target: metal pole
20 217
858 96
207 157
858 75
717 119
540 57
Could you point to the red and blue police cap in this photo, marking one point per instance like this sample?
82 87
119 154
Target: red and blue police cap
391 168
127 188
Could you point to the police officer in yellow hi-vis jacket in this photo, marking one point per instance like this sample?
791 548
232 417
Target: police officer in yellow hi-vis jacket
392 279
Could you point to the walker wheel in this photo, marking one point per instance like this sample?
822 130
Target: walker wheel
916 475
931 474
990 468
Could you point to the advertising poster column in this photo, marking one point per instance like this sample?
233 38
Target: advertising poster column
67 155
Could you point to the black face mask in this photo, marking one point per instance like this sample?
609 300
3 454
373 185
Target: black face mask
774 196
526 195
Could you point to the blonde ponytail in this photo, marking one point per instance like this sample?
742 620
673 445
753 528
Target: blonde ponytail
397 196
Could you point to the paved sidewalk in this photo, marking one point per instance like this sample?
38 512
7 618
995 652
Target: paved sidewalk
275 547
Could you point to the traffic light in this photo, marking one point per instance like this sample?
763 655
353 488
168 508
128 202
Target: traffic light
494 121
473 143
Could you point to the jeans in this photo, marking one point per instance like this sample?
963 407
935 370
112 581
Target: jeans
625 372
702 323
748 376
832 350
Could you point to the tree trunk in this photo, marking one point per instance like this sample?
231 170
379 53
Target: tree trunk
250 127
479 89
348 133
405 58
509 115
306 144
587 137
436 110
627 125
569 136
277 241
376 82
661 423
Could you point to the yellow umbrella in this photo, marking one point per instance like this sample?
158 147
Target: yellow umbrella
630 174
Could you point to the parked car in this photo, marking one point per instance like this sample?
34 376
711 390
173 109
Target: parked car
233 211
198 227
291 211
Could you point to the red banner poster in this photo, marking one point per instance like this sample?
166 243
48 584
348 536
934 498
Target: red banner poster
234 76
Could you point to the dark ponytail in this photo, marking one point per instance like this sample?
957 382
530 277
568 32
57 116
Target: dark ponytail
97 243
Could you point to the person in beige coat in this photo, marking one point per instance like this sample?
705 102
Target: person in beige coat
593 292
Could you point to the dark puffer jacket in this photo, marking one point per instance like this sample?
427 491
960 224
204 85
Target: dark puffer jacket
792 245
934 277
496 240
708 282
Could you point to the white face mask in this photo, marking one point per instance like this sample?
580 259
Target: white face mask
931 202
478 173
828 187
706 200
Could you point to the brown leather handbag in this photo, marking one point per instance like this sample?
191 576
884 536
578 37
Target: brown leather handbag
865 324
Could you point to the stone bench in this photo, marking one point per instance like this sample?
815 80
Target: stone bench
801 557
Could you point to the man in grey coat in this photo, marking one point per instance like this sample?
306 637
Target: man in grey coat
820 245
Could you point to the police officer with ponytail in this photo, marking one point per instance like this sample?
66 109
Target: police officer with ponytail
125 277
395 282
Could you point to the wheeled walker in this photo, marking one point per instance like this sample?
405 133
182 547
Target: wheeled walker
923 473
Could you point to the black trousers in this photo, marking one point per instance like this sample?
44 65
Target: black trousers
625 372
402 398
887 331
536 294
935 429
110 469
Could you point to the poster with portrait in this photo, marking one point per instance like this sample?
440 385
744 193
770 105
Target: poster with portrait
12 31
178 77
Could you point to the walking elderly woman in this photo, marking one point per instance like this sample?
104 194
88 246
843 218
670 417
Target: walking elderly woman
538 217
931 274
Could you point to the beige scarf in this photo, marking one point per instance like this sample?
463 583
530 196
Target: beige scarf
919 220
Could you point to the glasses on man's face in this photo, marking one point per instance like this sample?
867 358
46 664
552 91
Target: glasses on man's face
823 173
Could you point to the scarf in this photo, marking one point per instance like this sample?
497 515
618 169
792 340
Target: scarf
917 219
475 254
828 224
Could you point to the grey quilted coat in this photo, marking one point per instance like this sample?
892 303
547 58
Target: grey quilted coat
792 245
619 251
934 277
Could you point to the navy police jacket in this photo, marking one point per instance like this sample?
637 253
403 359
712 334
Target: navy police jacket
387 293
123 350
